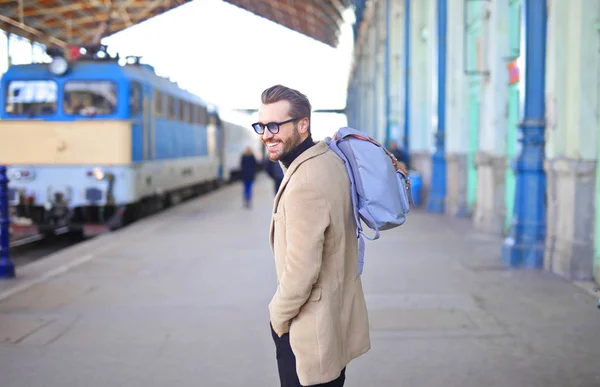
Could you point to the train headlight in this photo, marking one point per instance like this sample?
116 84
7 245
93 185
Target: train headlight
98 173
59 65
19 174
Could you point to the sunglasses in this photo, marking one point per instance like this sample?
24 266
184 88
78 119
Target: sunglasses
272 126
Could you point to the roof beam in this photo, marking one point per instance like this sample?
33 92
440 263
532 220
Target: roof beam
60 9
32 31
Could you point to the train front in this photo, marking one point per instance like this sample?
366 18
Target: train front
66 142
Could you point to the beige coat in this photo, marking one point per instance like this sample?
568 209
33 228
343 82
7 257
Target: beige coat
319 298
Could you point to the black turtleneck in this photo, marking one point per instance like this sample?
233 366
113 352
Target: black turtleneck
297 151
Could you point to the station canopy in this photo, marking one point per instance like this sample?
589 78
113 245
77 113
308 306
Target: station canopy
82 22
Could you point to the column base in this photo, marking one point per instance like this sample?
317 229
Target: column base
437 197
490 209
522 255
570 219
7 269
456 199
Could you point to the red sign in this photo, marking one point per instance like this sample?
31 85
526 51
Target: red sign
513 72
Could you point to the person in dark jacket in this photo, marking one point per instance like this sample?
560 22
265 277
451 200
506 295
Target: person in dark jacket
274 170
400 154
248 174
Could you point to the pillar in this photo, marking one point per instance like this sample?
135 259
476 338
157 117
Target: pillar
475 70
457 128
376 101
438 181
490 160
572 103
514 68
396 56
407 80
371 77
422 78
387 73
525 245
380 74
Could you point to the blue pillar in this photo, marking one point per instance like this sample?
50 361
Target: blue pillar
525 245
438 179
387 74
375 76
364 90
405 139
7 269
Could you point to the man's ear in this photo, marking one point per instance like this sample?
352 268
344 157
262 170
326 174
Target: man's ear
304 125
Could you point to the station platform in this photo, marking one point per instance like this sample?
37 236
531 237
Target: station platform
181 299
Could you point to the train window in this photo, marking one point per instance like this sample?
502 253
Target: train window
158 104
197 114
190 114
200 115
31 98
182 110
135 98
204 115
90 98
170 107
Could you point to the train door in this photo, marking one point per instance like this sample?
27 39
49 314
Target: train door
141 117
137 126
149 121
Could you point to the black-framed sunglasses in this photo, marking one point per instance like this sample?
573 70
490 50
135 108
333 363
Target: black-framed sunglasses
272 126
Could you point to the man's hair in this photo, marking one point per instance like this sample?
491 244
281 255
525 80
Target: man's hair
299 104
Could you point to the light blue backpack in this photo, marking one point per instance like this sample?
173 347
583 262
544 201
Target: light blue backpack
380 186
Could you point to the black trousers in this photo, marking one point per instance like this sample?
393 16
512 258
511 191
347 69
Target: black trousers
286 364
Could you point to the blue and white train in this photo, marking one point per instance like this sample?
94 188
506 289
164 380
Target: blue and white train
91 144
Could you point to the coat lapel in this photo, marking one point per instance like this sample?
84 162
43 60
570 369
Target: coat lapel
319 148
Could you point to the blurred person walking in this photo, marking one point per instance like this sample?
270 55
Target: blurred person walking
248 175
273 169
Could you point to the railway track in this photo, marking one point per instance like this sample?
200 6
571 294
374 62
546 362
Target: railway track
28 245
30 248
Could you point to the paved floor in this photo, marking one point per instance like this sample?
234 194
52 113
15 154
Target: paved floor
180 299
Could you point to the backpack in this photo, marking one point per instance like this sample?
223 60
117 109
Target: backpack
380 186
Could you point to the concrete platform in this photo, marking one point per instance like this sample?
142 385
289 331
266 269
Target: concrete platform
180 299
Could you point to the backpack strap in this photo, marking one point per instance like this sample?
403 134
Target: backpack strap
361 254
334 146
365 214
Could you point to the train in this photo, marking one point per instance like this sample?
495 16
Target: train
92 143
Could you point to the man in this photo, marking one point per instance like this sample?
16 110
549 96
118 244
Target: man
399 154
318 314
248 174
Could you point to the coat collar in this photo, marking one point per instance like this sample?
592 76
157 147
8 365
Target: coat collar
319 148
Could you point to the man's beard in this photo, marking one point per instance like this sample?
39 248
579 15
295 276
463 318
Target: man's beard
288 146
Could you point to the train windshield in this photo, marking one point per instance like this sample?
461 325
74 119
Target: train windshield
31 98
90 98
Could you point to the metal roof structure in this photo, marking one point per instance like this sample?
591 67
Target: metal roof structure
318 19
63 22
81 22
